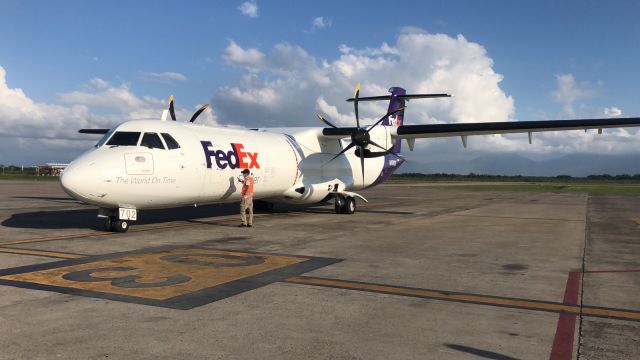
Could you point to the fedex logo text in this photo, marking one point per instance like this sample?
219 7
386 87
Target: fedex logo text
234 158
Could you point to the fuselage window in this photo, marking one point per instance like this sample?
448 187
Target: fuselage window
152 141
124 138
171 142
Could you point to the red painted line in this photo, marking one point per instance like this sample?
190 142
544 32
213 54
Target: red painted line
562 348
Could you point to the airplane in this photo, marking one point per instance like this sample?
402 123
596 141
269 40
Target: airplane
151 164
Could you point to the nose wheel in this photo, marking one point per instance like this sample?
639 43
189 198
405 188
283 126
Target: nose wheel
115 225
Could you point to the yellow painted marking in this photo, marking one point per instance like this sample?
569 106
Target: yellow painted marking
149 268
478 299
40 253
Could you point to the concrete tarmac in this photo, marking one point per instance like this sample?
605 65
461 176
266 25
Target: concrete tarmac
418 272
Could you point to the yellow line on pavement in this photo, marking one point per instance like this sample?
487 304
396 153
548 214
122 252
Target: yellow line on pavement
470 298
54 254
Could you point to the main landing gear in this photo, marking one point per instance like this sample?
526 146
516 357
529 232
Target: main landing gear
345 204
113 224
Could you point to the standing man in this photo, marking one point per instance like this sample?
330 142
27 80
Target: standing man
247 199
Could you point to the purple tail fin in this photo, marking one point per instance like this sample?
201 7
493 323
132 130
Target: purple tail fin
397 118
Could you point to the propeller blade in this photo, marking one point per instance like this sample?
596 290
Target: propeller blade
171 111
371 142
362 162
341 152
384 117
326 121
198 112
355 104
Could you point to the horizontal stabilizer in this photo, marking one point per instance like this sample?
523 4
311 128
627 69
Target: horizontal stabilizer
93 131
405 97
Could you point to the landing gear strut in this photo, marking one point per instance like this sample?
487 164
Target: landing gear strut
113 224
345 205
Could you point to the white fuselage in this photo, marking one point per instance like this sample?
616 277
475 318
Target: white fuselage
290 165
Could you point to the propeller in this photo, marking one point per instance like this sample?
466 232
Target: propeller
360 137
326 121
195 115
198 112
171 110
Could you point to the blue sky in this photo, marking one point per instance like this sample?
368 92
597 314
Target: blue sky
53 48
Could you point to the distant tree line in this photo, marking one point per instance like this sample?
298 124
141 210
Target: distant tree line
17 170
519 178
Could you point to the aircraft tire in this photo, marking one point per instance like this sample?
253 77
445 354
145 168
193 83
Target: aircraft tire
349 206
340 205
120 226
108 224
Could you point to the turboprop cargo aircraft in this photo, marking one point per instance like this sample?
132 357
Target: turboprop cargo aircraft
149 164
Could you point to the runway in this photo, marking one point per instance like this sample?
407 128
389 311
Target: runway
418 272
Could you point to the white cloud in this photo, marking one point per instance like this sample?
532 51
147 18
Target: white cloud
320 23
287 85
167 77
290 85
35 124
248 58
98 83
612 111
249 8
569 91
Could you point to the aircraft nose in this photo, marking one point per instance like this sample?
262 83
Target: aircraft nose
76 181
70 181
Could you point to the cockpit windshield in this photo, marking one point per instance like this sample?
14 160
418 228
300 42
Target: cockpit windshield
124 138
152 141
105 137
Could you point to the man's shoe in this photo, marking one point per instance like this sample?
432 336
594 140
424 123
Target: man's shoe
250 225
242 225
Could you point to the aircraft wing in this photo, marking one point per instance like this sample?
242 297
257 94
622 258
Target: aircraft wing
487 128
508 127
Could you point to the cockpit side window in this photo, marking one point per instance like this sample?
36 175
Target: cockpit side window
171 142
152 141
124 138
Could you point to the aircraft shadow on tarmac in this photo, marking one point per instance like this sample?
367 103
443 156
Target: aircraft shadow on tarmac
86 218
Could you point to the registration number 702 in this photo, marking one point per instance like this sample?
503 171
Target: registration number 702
128 214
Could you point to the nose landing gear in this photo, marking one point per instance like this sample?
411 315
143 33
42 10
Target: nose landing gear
113 224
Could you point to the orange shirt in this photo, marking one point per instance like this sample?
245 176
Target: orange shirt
247 186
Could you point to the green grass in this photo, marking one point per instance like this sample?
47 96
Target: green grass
603 188
21 177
